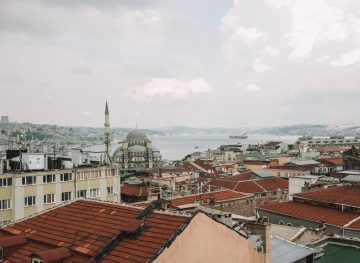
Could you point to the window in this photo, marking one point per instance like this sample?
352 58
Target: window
81 193
29 180
1 254
65 196
50 178
110 190
5 182
289 224
5 204
37 260
49 198
94 192
282 223
30 201
65 177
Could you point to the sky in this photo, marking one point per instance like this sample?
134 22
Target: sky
160 63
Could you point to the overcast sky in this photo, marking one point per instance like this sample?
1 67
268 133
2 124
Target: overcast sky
201 63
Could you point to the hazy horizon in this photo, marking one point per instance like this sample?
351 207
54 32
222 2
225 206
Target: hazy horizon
159 63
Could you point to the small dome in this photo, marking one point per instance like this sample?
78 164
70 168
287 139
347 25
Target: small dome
136 135
156 154
137 148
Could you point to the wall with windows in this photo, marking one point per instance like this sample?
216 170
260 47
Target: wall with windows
29 193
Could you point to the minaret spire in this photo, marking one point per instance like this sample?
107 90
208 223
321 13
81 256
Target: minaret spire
107 133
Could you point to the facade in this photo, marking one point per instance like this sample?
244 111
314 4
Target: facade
225 201
23 194
136 152
287 171
273 148
339 141
106 232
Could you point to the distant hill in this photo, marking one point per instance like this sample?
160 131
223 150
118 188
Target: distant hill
312 130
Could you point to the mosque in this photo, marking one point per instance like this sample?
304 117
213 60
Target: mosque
135 152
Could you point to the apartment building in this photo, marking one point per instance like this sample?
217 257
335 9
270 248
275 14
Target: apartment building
23 194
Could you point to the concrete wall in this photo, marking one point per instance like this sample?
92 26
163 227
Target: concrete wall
205 240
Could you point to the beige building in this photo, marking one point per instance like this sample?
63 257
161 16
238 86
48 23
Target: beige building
23 194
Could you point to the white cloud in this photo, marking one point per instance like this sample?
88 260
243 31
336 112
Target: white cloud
273 52
260 67
347 59
250 87
314 23
247 35
170 88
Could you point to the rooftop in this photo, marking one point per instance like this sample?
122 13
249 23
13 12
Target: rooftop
283 251
133 190
251 186
87 227
348 195
311 213
217 197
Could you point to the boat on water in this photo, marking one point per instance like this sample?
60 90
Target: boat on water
243 136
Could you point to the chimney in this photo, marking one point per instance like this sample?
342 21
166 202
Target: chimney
262 230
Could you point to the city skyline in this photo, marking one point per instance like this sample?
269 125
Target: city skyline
224 64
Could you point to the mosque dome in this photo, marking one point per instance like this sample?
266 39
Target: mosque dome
136 135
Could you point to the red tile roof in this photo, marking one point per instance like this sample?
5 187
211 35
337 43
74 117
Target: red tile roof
239 177
273 183
251 186
345 195
255 162
87 226
248 187
217 196
332 160
301 168
311 212
133 190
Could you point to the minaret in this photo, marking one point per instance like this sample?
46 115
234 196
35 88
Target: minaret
107 134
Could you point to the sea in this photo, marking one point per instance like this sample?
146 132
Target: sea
176 147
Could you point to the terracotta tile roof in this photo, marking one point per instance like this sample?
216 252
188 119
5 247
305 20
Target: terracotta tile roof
133 190
255 162
301 168
161 228
311 212
239 177
85 227
345 195
355 224
248 187
251 186
217 196
273 183
332 160
203 164
189 166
